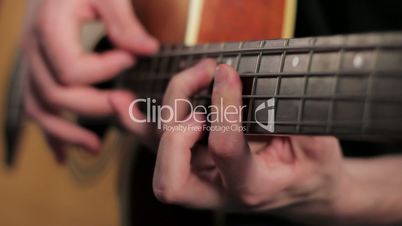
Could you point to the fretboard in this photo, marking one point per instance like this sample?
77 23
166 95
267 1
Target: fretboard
349 86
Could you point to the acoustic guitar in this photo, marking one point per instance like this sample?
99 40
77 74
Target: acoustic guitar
346 86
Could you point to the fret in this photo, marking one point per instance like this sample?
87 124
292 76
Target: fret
395 73
238 57
183 60
159 85
257 68
334 91
190 60
279 50
232 58
339 66
279 78
312 81
318 124
281 67
220 55
253 44
154 67
176 66
322 98
232 46
367 102
253 86
140 73
204 56
302 100
348 126
148 87
290 75
236 65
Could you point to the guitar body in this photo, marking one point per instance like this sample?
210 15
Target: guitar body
36 190
115 187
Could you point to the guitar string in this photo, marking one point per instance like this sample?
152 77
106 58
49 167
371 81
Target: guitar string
164 56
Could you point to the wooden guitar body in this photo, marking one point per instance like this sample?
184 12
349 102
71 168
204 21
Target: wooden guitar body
36 190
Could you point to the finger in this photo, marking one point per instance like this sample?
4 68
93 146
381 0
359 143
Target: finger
123 27
132 119
60 128
81 100
229 148
173 180
186 84
227 109
65 56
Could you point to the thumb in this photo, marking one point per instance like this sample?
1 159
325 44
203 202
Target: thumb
123 27
321 149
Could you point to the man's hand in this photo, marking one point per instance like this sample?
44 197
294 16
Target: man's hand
61 72
297 172
301 178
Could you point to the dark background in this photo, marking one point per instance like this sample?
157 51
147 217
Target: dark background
326 17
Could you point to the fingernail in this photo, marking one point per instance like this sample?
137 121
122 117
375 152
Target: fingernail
129 62
221 75
94 148
206 66
149 43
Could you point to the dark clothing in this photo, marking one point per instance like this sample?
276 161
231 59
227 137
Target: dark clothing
325 17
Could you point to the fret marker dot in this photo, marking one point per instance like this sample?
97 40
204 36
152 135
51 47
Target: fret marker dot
295 61
358 61
229 61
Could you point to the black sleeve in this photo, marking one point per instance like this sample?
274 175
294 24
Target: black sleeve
326 17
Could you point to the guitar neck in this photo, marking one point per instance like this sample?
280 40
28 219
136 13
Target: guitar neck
349 86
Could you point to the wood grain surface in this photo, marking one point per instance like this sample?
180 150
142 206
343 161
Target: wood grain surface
235 20
37 191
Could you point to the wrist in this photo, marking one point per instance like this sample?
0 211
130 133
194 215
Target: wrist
364 192
322 204
367 193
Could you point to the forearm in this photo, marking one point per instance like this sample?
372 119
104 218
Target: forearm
371 192
367 192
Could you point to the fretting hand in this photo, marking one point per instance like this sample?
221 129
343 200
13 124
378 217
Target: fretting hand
235 173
